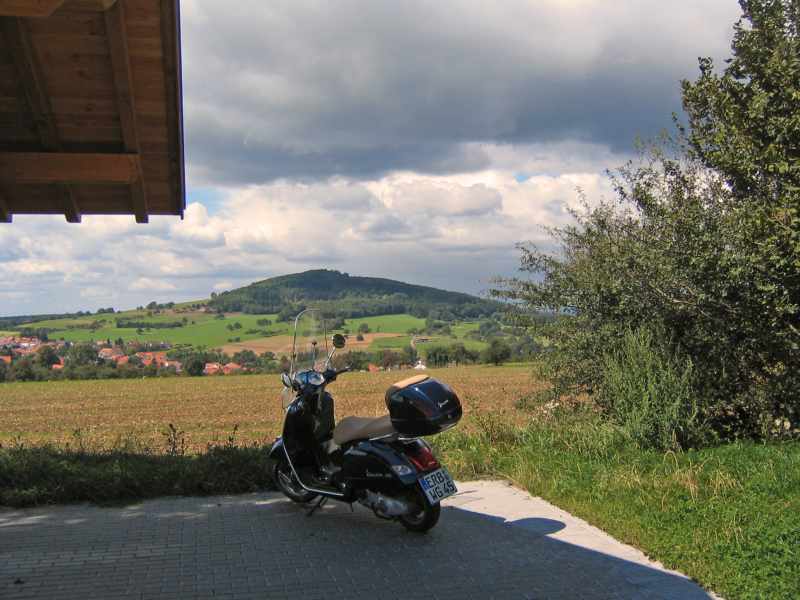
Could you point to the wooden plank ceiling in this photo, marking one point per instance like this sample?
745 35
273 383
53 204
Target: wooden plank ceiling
90 108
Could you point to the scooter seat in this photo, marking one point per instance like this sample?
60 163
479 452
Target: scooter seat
362 428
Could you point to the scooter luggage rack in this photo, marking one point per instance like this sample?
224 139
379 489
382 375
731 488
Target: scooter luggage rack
393 437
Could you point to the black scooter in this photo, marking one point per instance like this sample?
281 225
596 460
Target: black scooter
378 462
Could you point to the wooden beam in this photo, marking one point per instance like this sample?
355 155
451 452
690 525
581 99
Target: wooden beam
30 74
29 8
45 8
171 60
72 212
117 34
89 5
69 167
5 212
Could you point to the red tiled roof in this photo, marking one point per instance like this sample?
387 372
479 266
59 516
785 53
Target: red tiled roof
212 368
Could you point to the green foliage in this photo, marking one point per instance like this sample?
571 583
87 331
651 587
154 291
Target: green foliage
138 324
82 354
347 297
47 356
702 242
194 366
497 353
128 470
648 391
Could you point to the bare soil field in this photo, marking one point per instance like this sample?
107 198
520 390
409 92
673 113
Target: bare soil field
205 409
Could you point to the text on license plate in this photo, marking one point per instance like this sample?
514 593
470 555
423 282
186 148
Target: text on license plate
437 485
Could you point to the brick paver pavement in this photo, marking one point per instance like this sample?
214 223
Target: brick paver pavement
492 541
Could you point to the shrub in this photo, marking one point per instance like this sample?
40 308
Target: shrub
700 241
647 390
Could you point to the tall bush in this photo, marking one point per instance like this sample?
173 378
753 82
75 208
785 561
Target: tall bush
701 241
647 389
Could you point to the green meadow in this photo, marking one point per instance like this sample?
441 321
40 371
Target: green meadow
206 329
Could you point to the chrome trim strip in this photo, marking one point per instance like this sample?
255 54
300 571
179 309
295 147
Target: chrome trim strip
300 481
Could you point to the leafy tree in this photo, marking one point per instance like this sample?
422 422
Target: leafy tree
83 353
409 355
194 366
47 356
438 356
389 358
22 370
497 353
246 358
701 244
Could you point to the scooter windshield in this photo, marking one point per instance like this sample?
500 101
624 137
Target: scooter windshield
310 348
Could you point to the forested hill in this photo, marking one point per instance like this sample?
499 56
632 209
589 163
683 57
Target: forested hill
349 297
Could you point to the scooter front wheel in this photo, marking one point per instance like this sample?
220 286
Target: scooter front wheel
287 483
424 516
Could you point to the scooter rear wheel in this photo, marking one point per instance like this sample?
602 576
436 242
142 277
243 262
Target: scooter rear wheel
424 517
287 483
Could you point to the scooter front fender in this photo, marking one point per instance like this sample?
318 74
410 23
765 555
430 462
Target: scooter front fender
276 452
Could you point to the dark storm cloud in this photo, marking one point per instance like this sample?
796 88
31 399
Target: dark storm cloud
306 90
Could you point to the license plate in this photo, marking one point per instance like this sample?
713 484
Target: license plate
437 485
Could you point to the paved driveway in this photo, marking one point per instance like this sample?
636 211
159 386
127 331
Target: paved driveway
492 541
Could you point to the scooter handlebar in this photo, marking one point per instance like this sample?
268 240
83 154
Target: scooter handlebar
332 374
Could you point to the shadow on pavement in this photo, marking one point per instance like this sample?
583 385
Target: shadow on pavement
263 546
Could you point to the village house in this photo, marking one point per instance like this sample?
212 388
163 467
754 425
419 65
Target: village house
231 367
212 369
110 353
153 358
175 364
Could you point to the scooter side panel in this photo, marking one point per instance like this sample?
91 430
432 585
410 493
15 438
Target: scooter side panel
369 465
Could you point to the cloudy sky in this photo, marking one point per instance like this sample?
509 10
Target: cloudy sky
413 140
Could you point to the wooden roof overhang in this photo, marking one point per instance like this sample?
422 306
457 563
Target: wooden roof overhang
90 108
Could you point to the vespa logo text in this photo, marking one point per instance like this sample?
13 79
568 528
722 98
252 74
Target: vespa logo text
371 474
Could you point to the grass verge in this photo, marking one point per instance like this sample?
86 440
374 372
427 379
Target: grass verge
51 474
727 516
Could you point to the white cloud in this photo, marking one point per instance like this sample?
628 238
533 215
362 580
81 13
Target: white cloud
414 140
148 284
452 231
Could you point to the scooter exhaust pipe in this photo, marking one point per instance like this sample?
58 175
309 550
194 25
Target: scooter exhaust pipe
385 506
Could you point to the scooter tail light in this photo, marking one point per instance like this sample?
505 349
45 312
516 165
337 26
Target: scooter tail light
423 459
